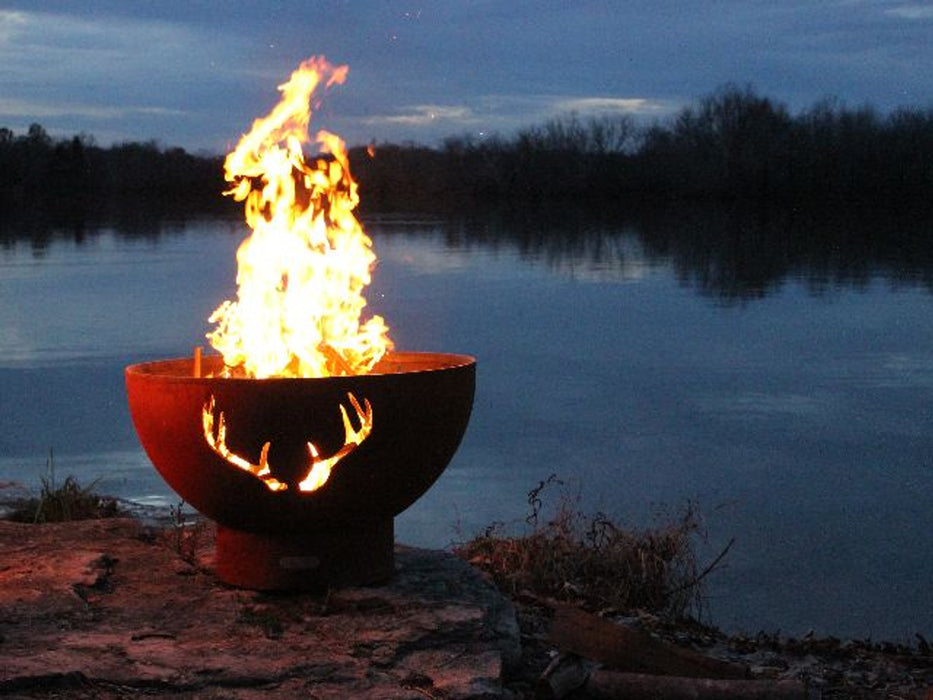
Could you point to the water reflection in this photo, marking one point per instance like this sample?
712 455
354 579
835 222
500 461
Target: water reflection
732 253
739 254
807 417
81 221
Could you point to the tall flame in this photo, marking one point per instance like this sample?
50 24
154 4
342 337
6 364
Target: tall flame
302 271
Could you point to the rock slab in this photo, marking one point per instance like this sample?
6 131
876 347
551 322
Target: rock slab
108 608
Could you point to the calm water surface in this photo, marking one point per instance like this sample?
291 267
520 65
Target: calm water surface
791 400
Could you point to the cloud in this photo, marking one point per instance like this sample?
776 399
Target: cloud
538 107
506 113
60 47
17 108
914 12
423 115
124 78
10 22
502 114
643 106
107 61
143 70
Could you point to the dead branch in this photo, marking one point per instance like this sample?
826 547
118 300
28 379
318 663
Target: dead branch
706 571
621 648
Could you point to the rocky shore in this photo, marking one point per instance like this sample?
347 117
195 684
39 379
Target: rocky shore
109 609
119 608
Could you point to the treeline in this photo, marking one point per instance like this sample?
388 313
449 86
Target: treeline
75 173
733 144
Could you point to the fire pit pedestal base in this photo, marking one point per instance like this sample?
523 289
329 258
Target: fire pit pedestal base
354 554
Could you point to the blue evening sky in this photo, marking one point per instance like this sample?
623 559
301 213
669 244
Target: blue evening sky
195 73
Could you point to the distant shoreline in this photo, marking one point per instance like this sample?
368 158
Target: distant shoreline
732 145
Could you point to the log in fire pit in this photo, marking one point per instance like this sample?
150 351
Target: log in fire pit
306 434
283 537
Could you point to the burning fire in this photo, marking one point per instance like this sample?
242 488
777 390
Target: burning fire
302 271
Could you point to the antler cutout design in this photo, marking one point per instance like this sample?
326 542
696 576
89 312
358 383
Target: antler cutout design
319 468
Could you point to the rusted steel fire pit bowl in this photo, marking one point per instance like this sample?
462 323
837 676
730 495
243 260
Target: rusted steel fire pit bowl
340 533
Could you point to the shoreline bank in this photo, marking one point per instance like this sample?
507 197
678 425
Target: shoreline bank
829 666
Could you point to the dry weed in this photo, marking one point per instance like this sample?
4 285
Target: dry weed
593 561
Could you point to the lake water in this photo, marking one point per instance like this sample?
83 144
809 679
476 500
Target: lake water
782 381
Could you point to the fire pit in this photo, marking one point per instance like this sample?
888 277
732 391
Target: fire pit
307 434
286 538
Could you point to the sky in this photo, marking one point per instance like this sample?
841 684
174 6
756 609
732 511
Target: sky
195 73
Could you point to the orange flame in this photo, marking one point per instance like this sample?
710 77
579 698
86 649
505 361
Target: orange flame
302 271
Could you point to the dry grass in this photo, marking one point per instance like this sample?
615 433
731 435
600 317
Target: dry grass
594 562
186 537
69 501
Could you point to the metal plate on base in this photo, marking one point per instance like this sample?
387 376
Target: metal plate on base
358 554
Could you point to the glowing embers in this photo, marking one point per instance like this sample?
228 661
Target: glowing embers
319 468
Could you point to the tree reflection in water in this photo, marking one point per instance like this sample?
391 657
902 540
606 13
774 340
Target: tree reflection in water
733 253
